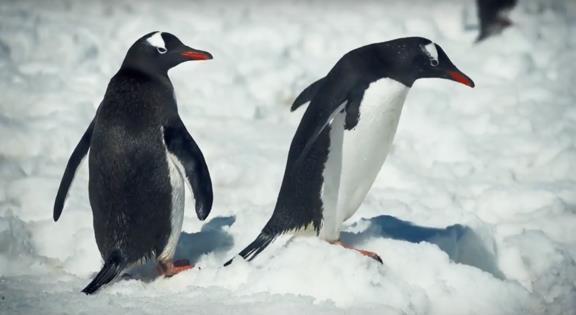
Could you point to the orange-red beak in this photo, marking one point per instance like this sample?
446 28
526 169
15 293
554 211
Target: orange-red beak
460 77
196 54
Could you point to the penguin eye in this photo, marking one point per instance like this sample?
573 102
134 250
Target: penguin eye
434 62
161 50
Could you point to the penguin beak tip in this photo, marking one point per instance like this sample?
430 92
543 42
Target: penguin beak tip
461 78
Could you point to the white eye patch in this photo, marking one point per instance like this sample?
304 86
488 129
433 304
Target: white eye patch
432 53
157 41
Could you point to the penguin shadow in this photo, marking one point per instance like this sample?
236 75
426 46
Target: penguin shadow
460 242
212 238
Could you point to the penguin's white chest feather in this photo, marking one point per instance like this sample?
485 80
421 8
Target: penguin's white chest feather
363 152
176 172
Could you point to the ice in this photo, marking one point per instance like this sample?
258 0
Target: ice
474 211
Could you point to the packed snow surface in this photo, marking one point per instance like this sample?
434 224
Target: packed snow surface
474 212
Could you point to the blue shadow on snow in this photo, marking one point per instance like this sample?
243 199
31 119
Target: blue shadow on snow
460 242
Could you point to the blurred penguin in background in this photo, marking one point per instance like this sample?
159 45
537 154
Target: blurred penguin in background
493 16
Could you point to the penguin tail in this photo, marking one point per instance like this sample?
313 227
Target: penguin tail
255 248
114 264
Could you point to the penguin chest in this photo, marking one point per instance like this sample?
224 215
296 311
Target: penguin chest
365 147
176 173
355 156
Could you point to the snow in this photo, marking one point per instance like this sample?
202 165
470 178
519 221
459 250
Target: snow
474 211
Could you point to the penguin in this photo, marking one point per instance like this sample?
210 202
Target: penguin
140 156
345 135
493 16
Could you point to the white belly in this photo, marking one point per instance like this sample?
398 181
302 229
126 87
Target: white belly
364 150
176 172
331 180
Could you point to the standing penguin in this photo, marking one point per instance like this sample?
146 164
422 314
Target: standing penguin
345 135
140 153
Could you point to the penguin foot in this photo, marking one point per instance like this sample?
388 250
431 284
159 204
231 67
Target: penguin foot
170 268
364 252
370 254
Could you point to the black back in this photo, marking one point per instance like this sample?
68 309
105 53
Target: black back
136 124
129 185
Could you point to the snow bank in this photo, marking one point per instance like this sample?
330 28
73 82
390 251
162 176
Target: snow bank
473 213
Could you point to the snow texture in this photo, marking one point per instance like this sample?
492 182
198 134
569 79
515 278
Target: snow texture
474 212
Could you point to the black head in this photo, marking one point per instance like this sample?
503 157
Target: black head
412 58
158 52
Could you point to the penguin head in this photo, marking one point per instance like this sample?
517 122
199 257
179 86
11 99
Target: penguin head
413 58
159 52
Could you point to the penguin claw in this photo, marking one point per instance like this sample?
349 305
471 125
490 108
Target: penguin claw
376 257
364 252
370 254
171 268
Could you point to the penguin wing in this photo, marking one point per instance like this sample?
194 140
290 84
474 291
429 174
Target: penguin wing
306 95
351 104
354 99
77 155
180 143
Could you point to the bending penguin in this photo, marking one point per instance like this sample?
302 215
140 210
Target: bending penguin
140 156
345 136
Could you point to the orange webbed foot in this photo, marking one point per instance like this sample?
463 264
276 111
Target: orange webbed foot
170 268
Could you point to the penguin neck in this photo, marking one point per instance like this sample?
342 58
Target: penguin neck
137 64
145 72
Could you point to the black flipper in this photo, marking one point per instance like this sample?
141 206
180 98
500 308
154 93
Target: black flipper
325 122
180 143
351 104
353 107
73 162
114 264
306 95
255 248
